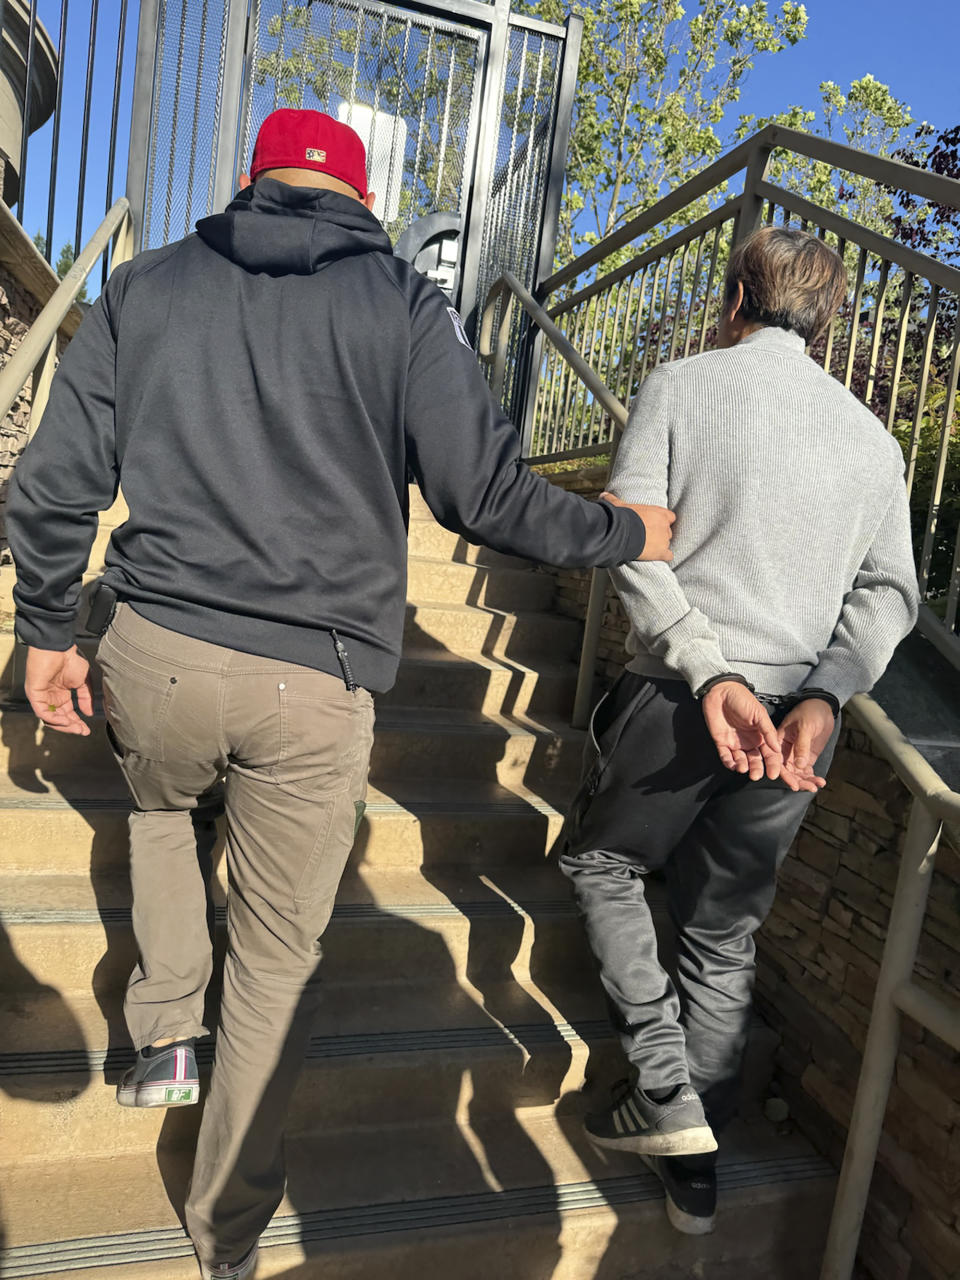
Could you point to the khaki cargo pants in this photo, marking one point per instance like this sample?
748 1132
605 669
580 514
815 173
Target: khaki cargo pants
293 746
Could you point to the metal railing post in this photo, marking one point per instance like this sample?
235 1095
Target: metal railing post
751 210
42 378
140 115
493 86
883 1037
586 672
227 141
123 244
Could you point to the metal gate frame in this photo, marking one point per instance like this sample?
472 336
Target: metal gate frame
495 21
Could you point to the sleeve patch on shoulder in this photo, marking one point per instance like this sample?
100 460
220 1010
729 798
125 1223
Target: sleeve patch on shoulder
458 327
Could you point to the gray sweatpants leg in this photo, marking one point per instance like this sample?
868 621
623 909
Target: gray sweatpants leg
656 798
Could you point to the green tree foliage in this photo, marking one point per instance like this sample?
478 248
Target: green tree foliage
868 117
64 262
655 82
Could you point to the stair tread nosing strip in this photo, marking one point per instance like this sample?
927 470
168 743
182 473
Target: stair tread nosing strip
347 912
64 1062
333 1224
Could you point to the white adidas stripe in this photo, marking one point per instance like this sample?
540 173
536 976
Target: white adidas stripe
641 1123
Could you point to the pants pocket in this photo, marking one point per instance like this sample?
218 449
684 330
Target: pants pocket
335 831
136 699
320 740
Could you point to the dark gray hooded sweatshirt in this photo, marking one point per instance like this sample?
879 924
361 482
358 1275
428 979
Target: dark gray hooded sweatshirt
261 389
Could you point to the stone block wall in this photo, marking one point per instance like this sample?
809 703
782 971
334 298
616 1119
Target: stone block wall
818 959
27 283
18 310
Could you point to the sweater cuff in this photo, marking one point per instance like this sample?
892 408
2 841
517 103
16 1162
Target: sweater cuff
698 662
841 678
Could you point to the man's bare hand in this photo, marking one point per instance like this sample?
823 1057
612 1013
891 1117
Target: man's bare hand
52 677
743 732
659 526
804 733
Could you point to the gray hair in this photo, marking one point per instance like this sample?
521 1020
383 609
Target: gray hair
791 280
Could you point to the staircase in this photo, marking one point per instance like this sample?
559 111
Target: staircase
436 1125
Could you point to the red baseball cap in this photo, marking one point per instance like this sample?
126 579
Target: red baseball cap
301 139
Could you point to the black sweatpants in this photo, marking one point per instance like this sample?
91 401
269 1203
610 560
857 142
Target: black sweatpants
655 797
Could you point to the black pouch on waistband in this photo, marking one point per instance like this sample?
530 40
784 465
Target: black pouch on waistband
103 605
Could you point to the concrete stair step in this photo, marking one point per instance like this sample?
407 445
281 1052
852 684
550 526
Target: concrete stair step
496 588
488 685
516 1049
420 742
440 825
434 678
432 540
466 630
446 629
76 1030
72 929
525 1195
63 1101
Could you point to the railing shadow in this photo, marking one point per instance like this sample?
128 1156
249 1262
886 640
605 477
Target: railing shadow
25 999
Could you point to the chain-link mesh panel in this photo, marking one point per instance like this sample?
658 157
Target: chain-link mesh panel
409 85
186 106
515 212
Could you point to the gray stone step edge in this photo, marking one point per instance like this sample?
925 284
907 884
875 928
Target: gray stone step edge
325 1048
408 1215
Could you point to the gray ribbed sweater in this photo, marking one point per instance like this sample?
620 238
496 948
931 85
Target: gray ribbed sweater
792 556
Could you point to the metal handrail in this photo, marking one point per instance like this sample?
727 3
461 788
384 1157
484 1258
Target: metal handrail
715 218
890 173
510 285
42 334
882 246
916 773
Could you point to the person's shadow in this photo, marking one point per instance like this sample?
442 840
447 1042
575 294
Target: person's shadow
24 999
334 1166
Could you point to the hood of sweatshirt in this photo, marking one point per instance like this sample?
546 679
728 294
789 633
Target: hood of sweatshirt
282 230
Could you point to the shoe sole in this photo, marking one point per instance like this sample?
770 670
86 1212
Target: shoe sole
689 1224
160 1095
240 1272
685 1142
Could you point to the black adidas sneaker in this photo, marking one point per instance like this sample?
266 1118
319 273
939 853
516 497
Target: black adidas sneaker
673 1126
165 1077
690 1185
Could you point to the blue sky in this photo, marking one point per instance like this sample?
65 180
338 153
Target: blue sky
911 48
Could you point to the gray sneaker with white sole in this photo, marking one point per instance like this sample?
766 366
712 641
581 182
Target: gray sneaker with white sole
165 1077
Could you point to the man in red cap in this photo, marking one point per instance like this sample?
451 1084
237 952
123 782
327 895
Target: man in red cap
260 389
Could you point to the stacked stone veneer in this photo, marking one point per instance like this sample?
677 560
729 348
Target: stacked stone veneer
18 310
26 285
818 960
